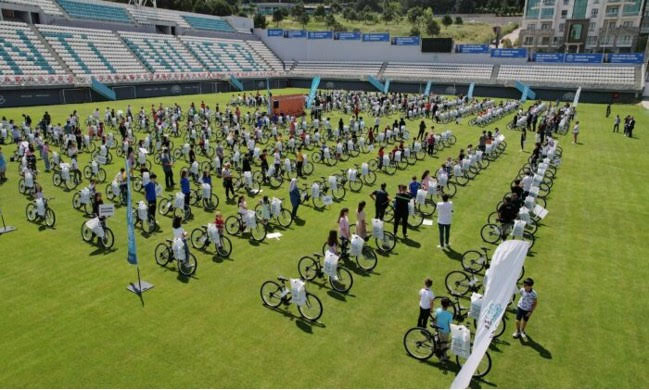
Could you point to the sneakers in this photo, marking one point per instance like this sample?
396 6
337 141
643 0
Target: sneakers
516 335
523 336
440 247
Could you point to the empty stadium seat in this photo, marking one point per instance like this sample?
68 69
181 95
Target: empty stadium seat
427 71
574 75
227 55
48 6
161 53
337 69
22 52
91 52
211 24
150 15
84 9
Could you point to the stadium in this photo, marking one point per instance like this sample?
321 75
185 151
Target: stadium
193 200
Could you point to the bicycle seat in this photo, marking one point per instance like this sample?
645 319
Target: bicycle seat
169 241
204 226
484 248
282 278
317 255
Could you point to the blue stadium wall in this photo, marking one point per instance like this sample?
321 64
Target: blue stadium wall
66 95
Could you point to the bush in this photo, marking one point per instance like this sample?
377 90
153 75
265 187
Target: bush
259 21
447 20
414 31
458 20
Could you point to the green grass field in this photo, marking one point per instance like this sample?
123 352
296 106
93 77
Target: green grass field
68 321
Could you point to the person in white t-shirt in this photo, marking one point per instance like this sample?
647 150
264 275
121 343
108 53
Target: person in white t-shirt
426 297
180 233
526 305
444 214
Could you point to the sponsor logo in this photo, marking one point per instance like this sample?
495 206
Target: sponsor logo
176 90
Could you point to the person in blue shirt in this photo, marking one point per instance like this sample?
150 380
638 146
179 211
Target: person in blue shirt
414 186
184 188
207 179
151 196
443 319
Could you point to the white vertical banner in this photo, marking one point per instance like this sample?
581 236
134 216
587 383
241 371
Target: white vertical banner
500 285
576 100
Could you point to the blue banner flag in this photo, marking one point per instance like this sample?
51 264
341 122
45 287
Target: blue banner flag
295 34
405 41
509 53
132 253
472 49
347 36
320 35
376 37
584 58
549 57
275 32
626 58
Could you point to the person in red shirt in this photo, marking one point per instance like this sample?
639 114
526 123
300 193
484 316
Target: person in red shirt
219 221
381 154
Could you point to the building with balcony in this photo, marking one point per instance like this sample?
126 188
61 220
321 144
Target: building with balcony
582 26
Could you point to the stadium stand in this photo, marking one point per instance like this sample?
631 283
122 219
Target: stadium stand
427 71
48 6
22 52
562 75
161 53
82 9
354 70
150 15
226 55
210 24
88 51
267 55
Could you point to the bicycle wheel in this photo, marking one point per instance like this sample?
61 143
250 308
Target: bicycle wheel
415 220
232 225
188 267
419 343
317 202
492 219
271 293
387 244
307 267
343 281
473 261
164 206
86 234
370 178
307 169
491 233
87 172
389 215
21 186
101 175
198 238
428 208
483 367
457 283
527 236
50 217
461 180
285 219
276 181
258 233
162 254
109 239
226 247
76 201
339 193
312 308
30 212
211 203
367 259
450 189
390 169
356 185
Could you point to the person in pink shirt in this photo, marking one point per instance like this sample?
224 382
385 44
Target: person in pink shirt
343 226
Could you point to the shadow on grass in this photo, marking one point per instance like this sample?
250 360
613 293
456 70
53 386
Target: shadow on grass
299 221
302 324
545 354
453 254
102 251
411 243
216 258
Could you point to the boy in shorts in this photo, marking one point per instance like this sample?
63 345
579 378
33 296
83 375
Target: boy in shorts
526 305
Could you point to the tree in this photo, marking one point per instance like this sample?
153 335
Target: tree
297 11
259 21
319 12
373 5
447 21
278 16
391 11
330 21
336 7
458 20
370 18
432 27
304 19
414 13
414 31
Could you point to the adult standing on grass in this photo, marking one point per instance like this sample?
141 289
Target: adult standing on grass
401 201
523 138
151 196
444 216
167 168
616 124
526 306
381 201
422 129
575 132
608 110
361 229
227 181
185 189
294 196
426 297
631 127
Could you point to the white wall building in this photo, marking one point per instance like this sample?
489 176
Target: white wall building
595 26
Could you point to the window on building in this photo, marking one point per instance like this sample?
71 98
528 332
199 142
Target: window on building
561 27
595 1
566 2
609 25
545 41
528 41
612 11
591 40
627 23
547 13
546 26
594 12
557 41
548 2
564 13
531 26
591 26
625 40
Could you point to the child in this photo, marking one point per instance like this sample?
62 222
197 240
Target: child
180 233
343 226
219 221
332 242
266 211
443 320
